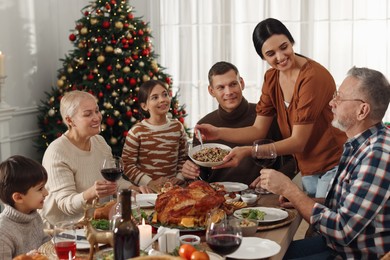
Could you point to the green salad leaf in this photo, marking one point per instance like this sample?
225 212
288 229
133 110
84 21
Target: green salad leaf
253 214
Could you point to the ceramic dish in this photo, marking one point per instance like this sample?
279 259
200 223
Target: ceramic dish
209 145
255 248
232 186
146 200
271 214
230 199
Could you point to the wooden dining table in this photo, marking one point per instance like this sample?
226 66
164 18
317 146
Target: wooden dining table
281 232
284 234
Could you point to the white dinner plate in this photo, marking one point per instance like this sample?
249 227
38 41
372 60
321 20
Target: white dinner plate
255 248
271 214
233 186
146 200
214 256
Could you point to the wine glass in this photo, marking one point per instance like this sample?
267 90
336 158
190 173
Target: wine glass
112 168
264 154
223 236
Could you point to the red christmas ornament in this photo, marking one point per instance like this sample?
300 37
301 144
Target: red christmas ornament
109 68
147 39
181 119
129 114
106 24
124 40
135 57
108 6
150 74
127 61
130 16
89 54
90 76
101 94
113 2
125 46
86 13
108 86
168 80
145 52
110 121
99 39
140 32
126 25
121 81
113 41
125 133
131 41
133 81
72 37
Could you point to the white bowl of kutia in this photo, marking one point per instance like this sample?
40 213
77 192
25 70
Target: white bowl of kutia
249 198
210 155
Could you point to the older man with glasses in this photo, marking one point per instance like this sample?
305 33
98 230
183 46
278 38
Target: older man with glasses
354 218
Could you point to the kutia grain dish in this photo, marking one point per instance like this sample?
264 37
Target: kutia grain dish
210 154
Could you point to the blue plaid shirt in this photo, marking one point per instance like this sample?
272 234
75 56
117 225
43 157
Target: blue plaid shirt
355 219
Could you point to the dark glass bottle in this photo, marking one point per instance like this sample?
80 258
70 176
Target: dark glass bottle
126 233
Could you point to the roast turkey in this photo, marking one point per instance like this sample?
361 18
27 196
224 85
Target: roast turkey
193 201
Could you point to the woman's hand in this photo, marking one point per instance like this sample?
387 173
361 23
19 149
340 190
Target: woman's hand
100 189
235 156
190 170
208 132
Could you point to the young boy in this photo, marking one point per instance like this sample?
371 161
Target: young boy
22 190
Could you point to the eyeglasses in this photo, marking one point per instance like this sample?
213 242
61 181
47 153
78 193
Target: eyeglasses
337 99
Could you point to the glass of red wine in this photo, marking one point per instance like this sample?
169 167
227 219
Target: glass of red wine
223 236
264 154
112 168
65 240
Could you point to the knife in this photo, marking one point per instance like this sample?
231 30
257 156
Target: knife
78 237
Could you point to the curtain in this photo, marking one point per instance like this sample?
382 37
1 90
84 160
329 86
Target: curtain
193 35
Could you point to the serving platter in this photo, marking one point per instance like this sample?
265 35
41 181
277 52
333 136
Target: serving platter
271 214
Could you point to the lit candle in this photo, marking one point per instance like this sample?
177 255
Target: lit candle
145 234
2 70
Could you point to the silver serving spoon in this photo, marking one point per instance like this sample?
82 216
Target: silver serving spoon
200 138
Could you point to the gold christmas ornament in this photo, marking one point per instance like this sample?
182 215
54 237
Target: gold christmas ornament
125 89
120 123
84 31
113 140
145 78
101 80
70 70
101 59
51 112
109 48
118 51
93 21
126 69
60 83
116 113
118 25
118 66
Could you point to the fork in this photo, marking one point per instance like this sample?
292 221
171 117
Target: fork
200 138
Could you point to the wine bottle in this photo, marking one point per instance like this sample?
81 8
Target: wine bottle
126 233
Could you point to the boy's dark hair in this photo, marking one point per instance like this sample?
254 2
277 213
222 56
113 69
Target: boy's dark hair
19 174
144 92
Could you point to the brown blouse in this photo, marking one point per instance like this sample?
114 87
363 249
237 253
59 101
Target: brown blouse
313 90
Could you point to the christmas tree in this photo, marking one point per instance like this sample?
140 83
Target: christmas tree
113 56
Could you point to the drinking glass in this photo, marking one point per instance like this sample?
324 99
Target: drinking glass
264 154
65 239
112 168
223 236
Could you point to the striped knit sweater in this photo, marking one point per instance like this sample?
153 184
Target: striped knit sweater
152 151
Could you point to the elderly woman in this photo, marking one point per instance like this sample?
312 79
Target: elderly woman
73 161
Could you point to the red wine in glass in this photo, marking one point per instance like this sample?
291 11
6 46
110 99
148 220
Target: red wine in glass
264 154
63 249
112 174
224 244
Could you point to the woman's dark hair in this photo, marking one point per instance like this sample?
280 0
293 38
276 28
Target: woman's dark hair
144 92
19 174
266 29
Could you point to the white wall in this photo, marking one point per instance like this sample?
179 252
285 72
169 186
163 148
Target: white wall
33 38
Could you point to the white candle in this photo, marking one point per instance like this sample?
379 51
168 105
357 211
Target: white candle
2 70
145 234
